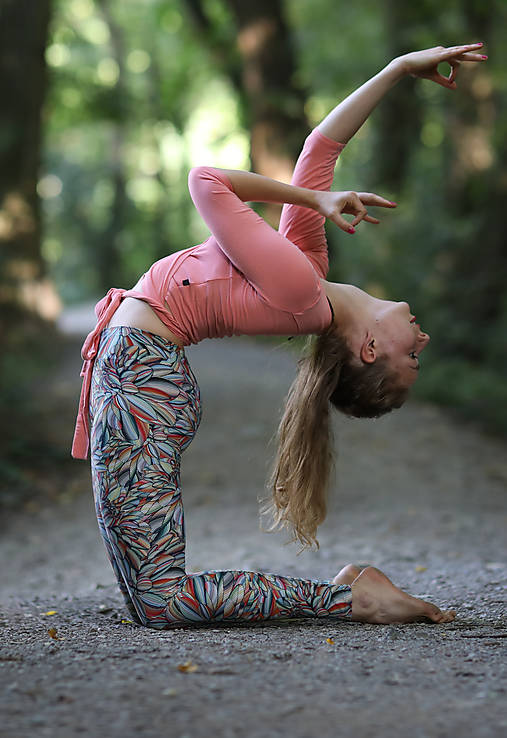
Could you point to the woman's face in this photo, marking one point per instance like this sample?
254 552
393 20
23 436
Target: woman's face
399 337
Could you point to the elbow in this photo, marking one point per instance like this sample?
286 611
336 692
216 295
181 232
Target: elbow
204 174
196 176
204 181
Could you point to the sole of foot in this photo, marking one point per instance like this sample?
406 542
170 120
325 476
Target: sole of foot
375 599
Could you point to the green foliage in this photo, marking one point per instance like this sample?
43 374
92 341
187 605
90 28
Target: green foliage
443 250
125 122
34 350
138 96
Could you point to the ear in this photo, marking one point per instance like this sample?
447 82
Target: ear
368 351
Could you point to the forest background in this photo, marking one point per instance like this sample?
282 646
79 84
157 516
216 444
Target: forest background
108 103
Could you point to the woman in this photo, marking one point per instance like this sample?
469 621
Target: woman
140 400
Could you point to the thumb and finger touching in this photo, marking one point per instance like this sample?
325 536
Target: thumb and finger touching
355 204
342 223
453 56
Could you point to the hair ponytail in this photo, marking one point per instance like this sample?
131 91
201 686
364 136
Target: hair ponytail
328 374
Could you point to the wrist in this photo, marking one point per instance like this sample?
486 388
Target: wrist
313 200
397 69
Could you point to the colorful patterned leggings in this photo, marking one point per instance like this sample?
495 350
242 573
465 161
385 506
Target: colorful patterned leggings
144 411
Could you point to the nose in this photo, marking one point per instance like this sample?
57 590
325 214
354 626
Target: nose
423 340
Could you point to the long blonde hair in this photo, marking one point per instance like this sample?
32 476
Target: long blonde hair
328 374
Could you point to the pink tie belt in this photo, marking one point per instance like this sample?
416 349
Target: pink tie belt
104 311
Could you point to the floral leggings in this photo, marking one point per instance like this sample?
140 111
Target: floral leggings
144 411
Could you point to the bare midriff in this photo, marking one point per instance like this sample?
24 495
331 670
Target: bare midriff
136 313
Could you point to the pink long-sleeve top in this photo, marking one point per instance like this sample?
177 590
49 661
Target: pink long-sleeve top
246 278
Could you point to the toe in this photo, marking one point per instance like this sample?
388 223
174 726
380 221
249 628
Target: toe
442 616
434 613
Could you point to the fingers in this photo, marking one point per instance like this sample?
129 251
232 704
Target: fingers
343 224
355 205
456 54
370 198
454 51
473 57
455 65
442 81
362 215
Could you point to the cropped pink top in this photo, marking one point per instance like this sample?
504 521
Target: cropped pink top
246 278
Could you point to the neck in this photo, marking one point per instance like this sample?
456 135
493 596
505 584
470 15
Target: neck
353 310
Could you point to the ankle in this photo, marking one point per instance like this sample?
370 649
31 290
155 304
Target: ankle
364 605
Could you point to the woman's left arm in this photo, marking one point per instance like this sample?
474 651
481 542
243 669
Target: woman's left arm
347 117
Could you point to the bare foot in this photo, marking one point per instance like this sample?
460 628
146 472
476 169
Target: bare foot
375 599
348 574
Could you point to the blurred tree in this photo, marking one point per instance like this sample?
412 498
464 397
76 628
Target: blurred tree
24 287
106 242
28 302
400 112
277 119
139 95
263 70
472 302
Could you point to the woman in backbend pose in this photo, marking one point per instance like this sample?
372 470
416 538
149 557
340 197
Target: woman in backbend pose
139 406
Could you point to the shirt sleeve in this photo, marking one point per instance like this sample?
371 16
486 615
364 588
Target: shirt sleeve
314 170
277 269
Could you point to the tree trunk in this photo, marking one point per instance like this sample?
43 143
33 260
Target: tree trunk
24 288
398 118
278 122
264 79
108 258
477 184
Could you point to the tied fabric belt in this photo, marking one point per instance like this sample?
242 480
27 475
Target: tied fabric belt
104 311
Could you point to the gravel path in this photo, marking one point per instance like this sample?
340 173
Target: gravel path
418 494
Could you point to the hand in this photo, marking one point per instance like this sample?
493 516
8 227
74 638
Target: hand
333 204
425 63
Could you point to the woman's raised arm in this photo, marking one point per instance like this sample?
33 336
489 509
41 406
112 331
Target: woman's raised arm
343 122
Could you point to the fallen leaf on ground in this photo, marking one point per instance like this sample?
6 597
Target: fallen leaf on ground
330 641
421 568
188 667
50 612
52 633
127 622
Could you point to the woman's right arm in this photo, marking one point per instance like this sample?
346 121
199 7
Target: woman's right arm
278 269
343 122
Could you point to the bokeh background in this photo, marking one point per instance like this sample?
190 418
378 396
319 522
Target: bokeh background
106 104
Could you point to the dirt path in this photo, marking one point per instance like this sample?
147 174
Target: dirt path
417 494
